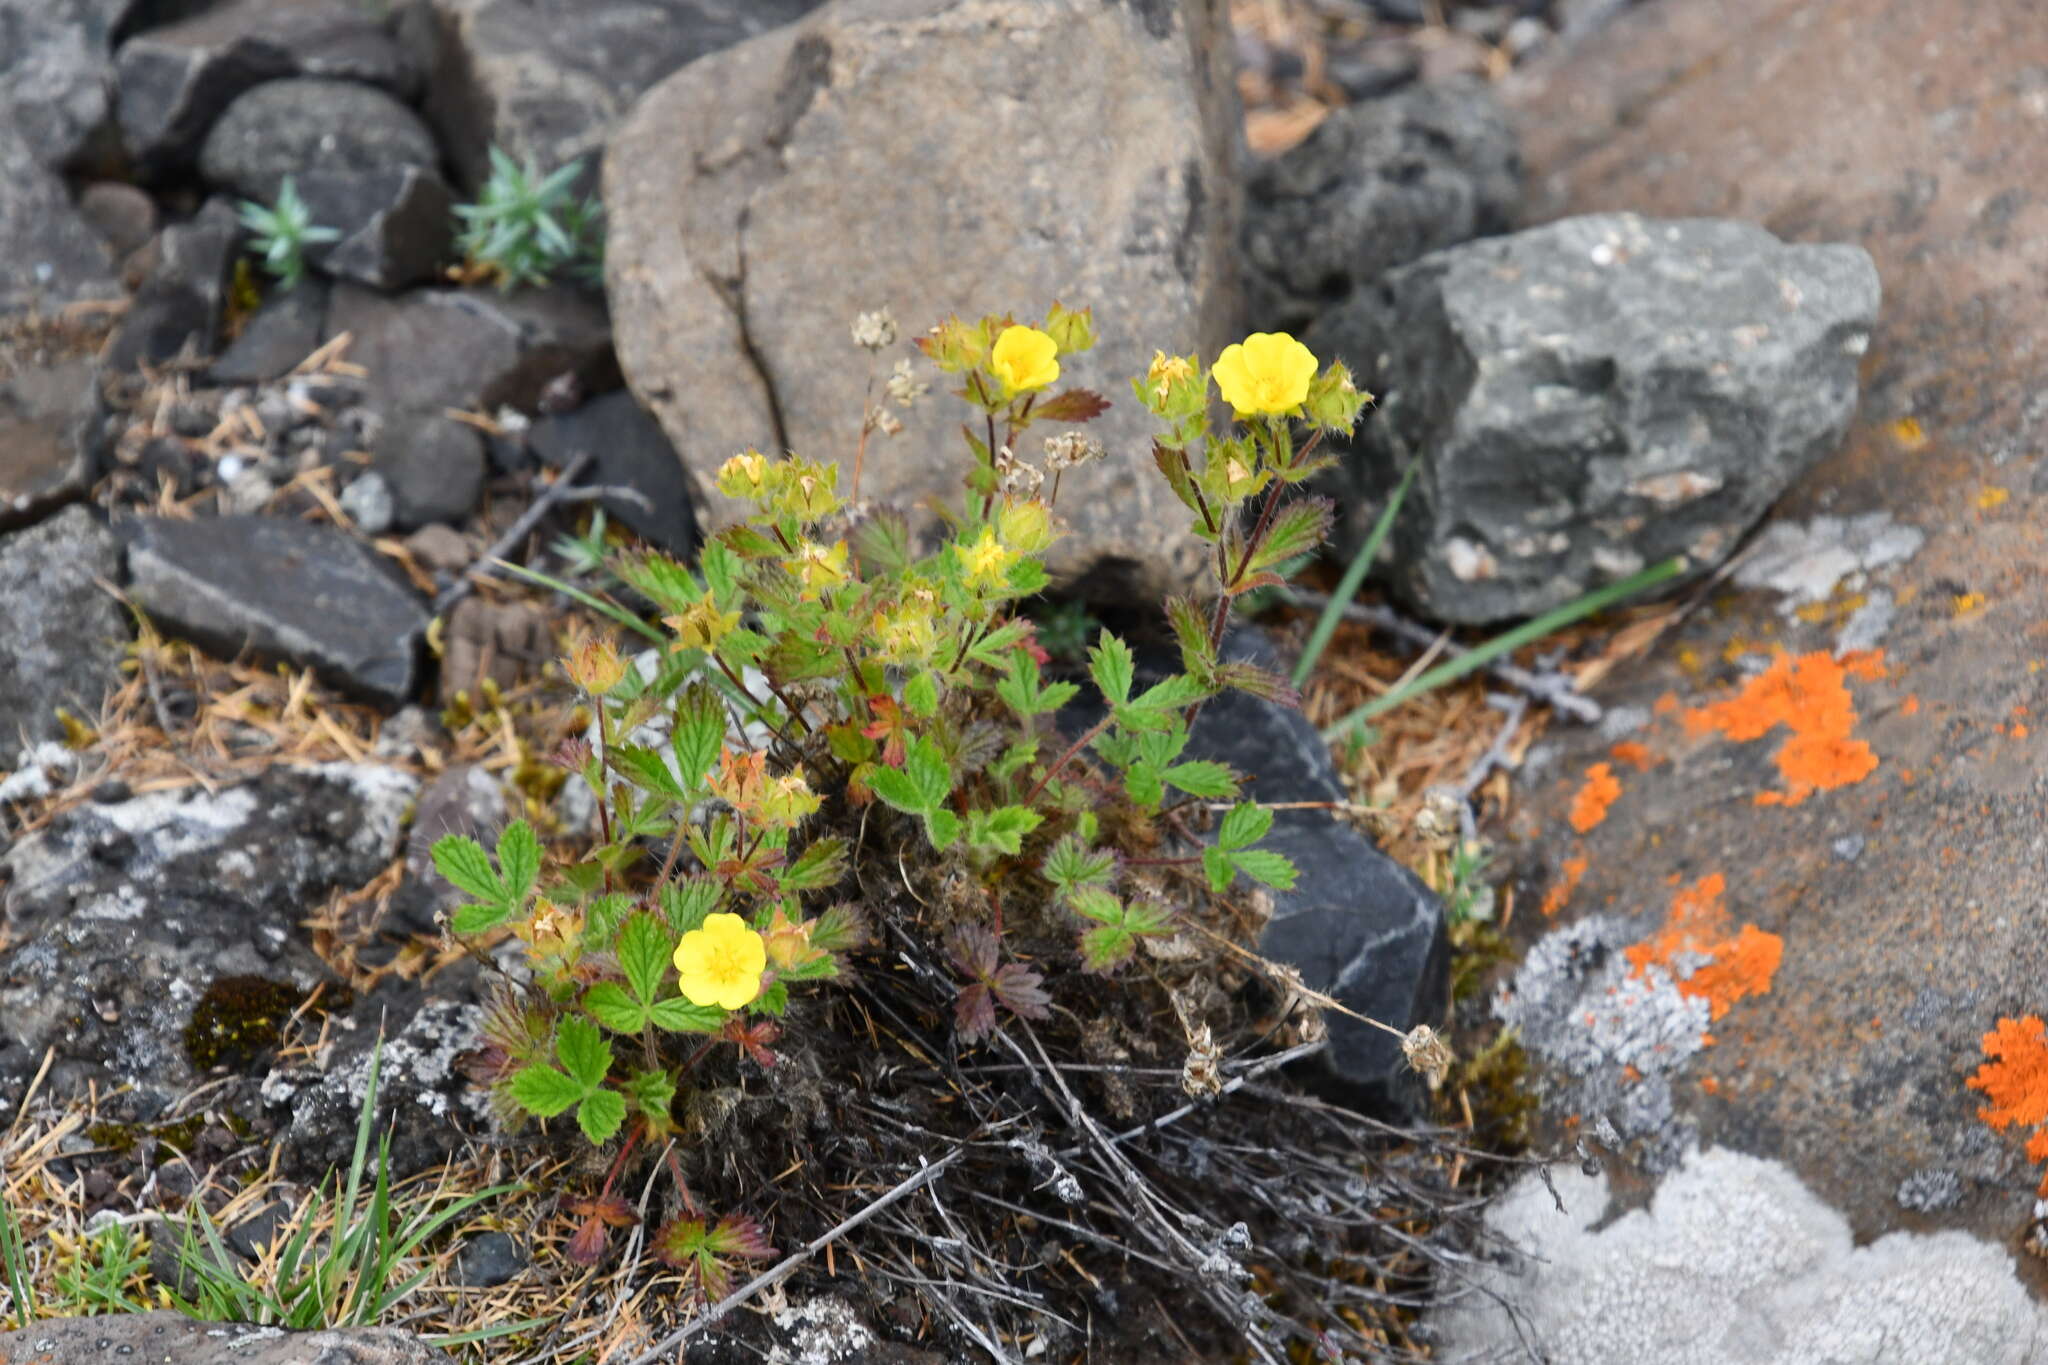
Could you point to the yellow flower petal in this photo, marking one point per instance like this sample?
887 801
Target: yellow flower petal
721 963
1023 359
1267 372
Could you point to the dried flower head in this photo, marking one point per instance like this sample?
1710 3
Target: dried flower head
903 386
1428 1054
1070 449
875 330
1017 478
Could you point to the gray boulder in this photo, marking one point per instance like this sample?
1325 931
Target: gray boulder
49 254
62 635
168 1338
759 199
56 70
178 309
396 224
305 124
312 595
630 450
1592 397
430 349
46 424
548 79
177 79
434 466
123 917
1377 185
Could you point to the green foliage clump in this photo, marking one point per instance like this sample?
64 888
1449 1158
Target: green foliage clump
833 687
527 228
283 231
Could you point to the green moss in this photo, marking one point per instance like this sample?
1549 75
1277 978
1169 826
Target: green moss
1494 1079
241 1019
1477 947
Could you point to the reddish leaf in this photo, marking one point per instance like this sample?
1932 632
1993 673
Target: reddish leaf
608 1209
1075 405
974 1012
738 1235
587 1246
1260 682
1021 990
973 950
753 1038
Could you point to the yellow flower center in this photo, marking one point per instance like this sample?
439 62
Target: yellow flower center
1024 360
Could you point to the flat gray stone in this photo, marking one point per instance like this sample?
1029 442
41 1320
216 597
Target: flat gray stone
1592 397
62 635
49 254
168 1338
396 224
311 595
284 331
178 309
46 420
304 124
631 451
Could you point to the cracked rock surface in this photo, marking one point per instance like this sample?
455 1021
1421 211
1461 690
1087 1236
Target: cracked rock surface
760 198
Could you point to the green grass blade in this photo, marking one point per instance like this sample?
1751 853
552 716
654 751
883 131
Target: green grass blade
1354 577
610 610
1480 656
475 1334
14 1261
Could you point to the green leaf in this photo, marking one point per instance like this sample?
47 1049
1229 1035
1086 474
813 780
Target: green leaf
1014 759
942 827
1201 777
1111 665
894 786
1143 917
609 1004
1298 530
1107 946
1071 864
819 866
687 903
518 860
1027 578
773 1001
541 1090
477 919
921 694
721 570
1002 829
1175 693
583 1051
1263 865
600 1115
1142 785
1216 863
1245 824
926 767
602 920
1191 631
644 949
462 860
677 1015
1092 902
883 543
660 579
654 1092
648 769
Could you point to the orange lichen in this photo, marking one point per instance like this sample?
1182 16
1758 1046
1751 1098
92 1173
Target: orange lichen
1908 432
1589 807
1555 898
1665 705
2020 731
1737 963
1963 603
1992 496
1808 696
2016 1079
1710 1085
1911 705
1636 755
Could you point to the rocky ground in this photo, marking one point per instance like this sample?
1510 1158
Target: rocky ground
1626 292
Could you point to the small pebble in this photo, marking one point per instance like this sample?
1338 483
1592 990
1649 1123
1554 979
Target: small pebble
369 504
1849 847
487 1260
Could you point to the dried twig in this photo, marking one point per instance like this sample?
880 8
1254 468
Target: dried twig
505 544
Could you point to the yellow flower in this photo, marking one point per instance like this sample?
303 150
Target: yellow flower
1166 371
744 476
1023 360
987 560
721 963
1267 372
702 625
818 566
905 635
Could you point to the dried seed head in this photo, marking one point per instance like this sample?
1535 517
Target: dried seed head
1438 818
1428 1053
1071 448
874 330
1201 1074
903 386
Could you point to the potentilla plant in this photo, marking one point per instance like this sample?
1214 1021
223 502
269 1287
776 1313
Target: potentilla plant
904 714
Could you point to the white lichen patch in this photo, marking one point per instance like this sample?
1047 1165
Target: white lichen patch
822 1331
1805 562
